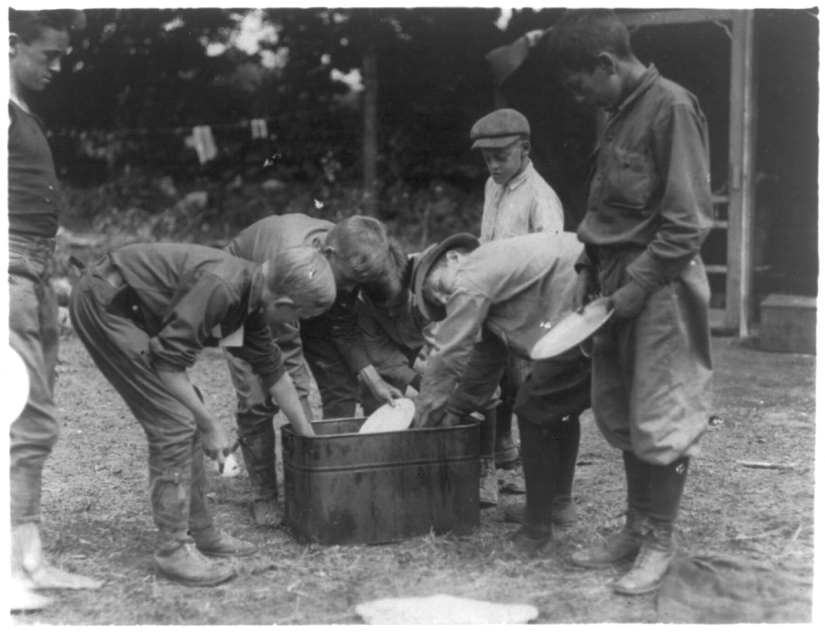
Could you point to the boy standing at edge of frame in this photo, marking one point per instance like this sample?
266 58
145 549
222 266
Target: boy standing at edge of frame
649 211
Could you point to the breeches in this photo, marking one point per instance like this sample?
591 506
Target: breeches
652 374
120 349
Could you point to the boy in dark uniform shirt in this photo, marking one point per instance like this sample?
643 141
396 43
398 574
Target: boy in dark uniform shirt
144 313
648 213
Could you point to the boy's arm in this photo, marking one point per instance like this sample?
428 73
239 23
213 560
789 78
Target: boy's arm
286 397
480 379
216 442
389 360
454 340
680 150
547 213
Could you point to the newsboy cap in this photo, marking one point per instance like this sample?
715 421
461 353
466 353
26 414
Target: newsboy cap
424 263
499 129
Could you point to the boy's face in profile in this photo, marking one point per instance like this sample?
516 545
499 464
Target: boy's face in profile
33 64
600 87
506 162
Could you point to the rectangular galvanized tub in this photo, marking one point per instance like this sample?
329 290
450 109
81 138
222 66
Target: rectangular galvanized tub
341 487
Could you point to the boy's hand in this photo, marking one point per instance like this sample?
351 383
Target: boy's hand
380 389
451 419
216 443
628 300
585 289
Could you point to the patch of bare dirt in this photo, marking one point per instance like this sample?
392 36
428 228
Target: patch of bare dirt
97 520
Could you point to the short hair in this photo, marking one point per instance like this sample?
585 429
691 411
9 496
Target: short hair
360 243
303 275
577 39
28 25
396 279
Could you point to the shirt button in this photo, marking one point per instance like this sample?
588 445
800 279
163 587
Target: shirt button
51 188
48 200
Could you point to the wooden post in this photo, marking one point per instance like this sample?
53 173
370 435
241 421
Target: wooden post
370 145
741 183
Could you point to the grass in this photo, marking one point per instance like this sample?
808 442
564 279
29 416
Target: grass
97 520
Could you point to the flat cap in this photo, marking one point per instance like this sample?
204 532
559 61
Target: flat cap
499 129
424 262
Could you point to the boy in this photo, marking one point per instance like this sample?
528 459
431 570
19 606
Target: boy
357 251
649 211
144 313
509 291
37 40
393 329
517 201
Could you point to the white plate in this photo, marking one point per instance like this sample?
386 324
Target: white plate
230 467
571 330
390 418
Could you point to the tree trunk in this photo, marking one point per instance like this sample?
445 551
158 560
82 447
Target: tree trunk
370 140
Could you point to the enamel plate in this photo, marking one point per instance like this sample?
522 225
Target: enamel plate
390 418
571 330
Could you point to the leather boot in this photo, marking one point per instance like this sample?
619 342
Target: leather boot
565 513
652 562
30 570
568 436
531 541
178 559
215 543
507 452
488 484
667 482
258 450
618 547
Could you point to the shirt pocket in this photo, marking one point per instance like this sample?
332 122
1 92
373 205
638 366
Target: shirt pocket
629 181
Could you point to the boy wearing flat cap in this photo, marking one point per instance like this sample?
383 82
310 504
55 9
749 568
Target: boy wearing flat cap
509 291
517 201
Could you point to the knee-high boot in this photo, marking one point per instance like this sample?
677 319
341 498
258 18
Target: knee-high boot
258 449
667 482
568 436
626 543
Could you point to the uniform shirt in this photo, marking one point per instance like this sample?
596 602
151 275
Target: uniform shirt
271 235
515 290
35 201
189 297
526 204
651 187
392 339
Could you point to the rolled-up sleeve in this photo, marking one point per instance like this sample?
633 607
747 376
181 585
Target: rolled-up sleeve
260 351
481 377
453 344
680 151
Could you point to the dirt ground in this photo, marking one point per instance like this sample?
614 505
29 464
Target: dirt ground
96 516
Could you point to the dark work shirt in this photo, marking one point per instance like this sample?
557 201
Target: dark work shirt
35 201
190 297
651 186
271 235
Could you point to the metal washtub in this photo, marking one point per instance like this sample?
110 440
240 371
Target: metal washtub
341 487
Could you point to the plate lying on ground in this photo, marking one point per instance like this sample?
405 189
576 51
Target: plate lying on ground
571 330
390 418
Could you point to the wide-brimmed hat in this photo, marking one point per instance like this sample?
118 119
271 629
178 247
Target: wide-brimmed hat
499 129
424 263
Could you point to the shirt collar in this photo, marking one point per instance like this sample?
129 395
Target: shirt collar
516 182
650 75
